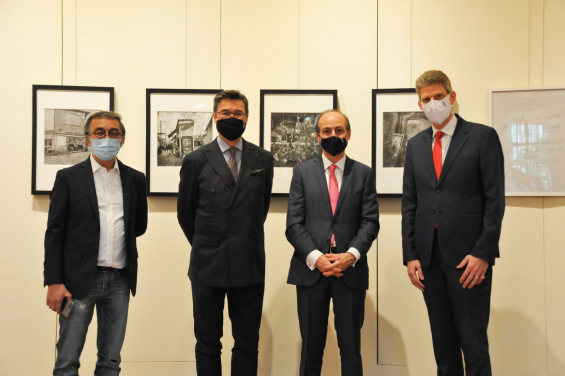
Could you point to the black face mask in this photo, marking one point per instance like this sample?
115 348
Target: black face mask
231 128
334 145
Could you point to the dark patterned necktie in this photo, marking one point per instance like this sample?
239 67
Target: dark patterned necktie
232 163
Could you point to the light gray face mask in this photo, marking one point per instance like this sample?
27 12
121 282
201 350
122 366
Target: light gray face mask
437 110
106 149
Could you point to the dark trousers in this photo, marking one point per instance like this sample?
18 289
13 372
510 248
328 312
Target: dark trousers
313 311
245 305
458 318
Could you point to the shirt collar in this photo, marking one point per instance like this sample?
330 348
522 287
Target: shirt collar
449 128
340 164
96 166
224 146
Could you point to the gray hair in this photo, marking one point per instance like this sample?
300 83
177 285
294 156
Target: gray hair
104 115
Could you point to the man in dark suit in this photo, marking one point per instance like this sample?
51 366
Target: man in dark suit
224 197
332 221
98 208
452 208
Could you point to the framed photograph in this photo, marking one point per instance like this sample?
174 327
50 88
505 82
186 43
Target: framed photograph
530 124
59 115
396 119
179 121
288 120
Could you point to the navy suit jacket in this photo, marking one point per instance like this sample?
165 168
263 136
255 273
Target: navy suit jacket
310 223
73 227
467 202
223 220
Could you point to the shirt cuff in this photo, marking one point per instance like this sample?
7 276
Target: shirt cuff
355 253
312 258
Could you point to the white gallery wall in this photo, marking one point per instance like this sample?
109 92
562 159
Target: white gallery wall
349 45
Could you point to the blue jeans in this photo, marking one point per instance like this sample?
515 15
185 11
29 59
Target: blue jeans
110 295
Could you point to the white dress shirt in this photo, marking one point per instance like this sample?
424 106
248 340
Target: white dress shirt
112 249
448 131
225 148
315 254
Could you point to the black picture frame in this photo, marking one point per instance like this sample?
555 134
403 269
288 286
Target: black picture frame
398 106
294 103
162 180
75 102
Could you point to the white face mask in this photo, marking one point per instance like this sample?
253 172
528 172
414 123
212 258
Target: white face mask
437 111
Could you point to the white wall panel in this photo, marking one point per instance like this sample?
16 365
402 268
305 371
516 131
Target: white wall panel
479 44
554 43
30 45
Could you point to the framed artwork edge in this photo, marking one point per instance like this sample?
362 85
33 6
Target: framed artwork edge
35 89
265 92
148 93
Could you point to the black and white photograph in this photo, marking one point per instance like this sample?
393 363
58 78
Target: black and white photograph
293 138
178 122
181 133
59 116
64 136
398 129
396 119
288 129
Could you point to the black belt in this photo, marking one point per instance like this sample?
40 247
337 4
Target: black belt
333 249
106 269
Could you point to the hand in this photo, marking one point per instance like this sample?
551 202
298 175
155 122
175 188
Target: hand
55 295
341 261
327 268
475 271
416 274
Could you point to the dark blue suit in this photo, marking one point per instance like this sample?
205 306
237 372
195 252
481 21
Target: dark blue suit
467 202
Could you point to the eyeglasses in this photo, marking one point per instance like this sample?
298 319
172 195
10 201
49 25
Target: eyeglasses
226 114
99 133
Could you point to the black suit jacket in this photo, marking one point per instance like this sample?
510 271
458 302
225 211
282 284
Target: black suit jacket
223 220
73 227
310 223
468 200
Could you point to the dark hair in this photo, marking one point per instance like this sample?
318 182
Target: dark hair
347 126
230 94
104 115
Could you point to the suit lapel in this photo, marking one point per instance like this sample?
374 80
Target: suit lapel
345 182
428 157
248 158
124 177
322 182
216 159
457 141
88 178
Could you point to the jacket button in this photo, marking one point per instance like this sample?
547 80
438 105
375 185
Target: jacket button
437 190
433 211
213 190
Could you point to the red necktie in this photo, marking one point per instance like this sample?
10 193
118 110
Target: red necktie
438 154
334 192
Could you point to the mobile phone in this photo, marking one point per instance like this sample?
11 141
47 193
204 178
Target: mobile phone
67 306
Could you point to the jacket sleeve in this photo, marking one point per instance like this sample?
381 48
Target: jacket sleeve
492 175
188 197
296 233
409 206
268 187
56 231
141 210
369 228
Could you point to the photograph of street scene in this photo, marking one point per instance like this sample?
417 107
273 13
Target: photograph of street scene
64 136
180 133
293 138
398 129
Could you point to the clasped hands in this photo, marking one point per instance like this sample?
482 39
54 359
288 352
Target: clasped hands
474 273
334 264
